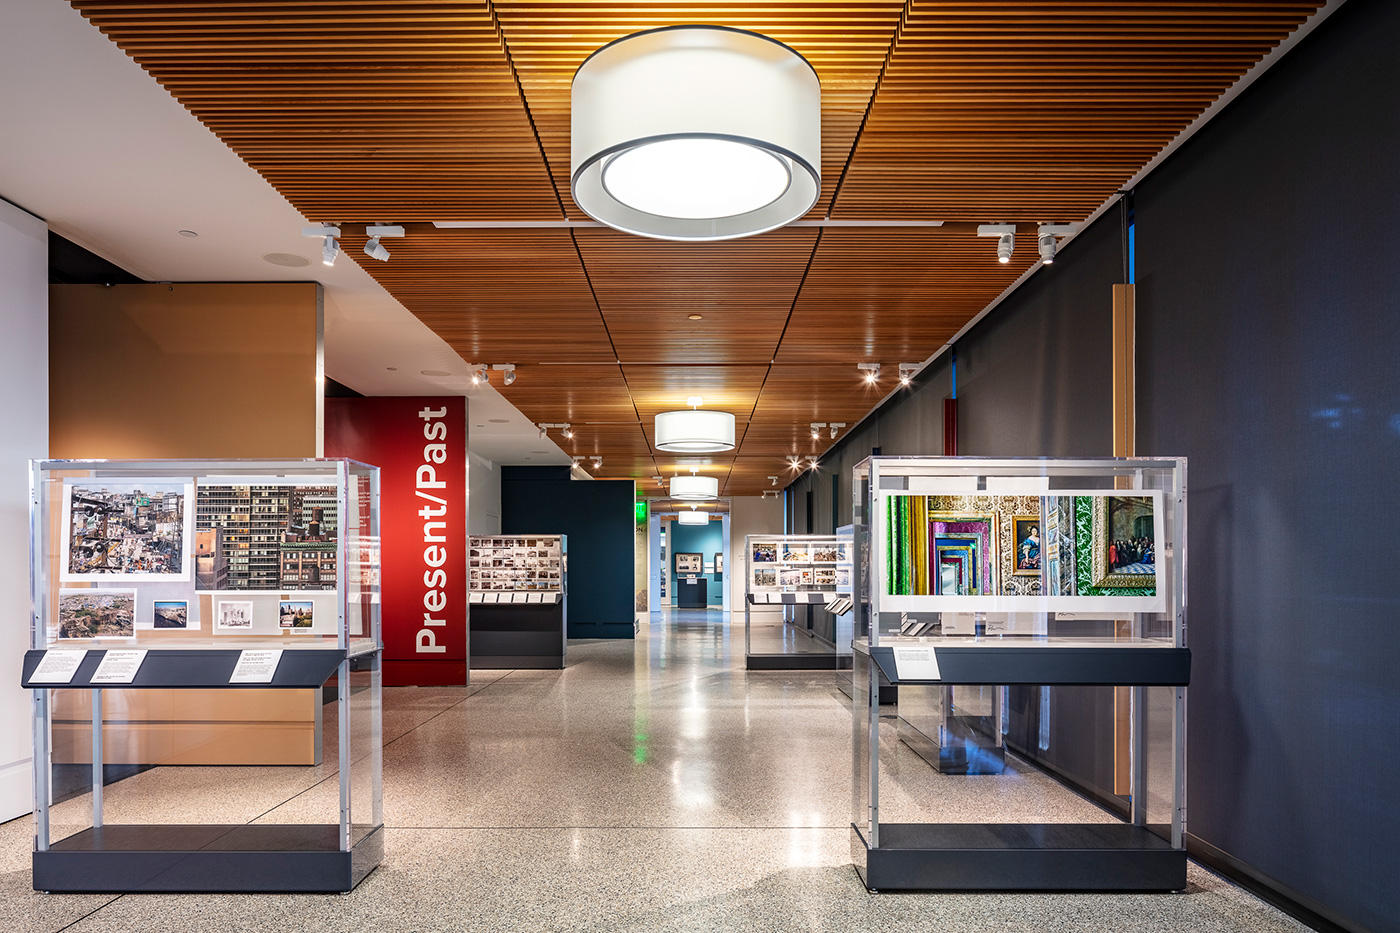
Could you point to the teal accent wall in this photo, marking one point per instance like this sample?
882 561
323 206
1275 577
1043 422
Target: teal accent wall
697 539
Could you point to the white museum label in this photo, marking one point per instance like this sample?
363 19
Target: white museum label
58 666
256 667
916 664
119 667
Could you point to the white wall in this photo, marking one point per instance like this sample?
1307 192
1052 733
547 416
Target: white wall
749 515
483 495
24 385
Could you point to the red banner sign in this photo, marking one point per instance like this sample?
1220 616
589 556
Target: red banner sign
420 447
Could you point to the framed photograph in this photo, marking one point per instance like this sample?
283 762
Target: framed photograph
1027 543
719 562
97 613
234 616
765 578
295 613
1124 542
796 554
765 553
689 563
170 613
287 528
827 554
127 530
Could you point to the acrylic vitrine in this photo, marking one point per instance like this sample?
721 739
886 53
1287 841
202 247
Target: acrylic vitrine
797 601
1053 593
189 612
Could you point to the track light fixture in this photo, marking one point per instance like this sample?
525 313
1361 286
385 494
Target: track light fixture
1046 242
597 463
544 431
817 429
480 374
568 430
373 248
509 370
330 245
834 425
906 372
795 463
772 481
1006 238
563 427
770 493
871 370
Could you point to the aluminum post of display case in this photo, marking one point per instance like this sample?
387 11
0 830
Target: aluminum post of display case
959 620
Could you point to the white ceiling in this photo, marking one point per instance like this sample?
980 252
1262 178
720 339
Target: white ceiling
93 145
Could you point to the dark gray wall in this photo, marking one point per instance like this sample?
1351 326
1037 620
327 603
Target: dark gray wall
1269 336
599 518
1269 355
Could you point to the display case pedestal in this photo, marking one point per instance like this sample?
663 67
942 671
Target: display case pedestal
207 857
528 636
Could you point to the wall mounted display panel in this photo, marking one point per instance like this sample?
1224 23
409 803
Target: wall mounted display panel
131 593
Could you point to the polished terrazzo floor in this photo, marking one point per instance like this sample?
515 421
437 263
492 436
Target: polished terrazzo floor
651 786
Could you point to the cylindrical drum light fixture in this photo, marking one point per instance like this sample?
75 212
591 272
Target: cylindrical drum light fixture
693 518
696 133
694 487
694 431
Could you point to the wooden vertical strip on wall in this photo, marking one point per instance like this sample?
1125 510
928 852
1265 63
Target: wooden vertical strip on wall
1124 445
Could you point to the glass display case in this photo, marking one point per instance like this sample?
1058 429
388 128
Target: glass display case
788 579
519 601
237 583
1042 574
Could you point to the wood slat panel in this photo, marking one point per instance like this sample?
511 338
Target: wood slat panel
743 289
1006 111
664 388
871 297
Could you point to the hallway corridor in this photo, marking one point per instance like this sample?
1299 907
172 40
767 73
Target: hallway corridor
653 785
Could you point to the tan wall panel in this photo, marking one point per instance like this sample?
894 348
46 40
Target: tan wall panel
201 370
184 370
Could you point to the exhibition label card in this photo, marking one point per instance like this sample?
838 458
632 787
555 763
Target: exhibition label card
58 666
916 664
256 667
119 667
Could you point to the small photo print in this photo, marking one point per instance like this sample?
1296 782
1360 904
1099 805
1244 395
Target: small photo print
765 553
97 614
171 613
295 613
764 578
235 616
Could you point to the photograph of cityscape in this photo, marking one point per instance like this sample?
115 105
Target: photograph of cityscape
97 614
171 613
237 615
125 531
295 613
266 537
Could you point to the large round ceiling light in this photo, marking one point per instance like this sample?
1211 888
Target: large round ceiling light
694 431
694 488
696 133
693 518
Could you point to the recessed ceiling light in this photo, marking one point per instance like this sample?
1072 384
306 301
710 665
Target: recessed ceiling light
434 372
499 420
290 260
696 317
392 369
481 425
188 233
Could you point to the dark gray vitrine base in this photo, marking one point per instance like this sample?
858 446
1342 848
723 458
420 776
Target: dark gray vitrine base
528 636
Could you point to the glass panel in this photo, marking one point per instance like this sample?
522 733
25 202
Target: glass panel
797 594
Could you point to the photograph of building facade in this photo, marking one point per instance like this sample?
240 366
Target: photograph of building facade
273 537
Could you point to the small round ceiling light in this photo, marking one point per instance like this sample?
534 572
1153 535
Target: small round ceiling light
694 488
693 518
290 260
188 233
696 133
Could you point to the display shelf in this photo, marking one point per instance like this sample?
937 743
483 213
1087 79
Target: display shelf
213 575
984 574
519 601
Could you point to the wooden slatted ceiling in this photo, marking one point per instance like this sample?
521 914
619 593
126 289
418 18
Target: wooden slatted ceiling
1012 111
409 111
